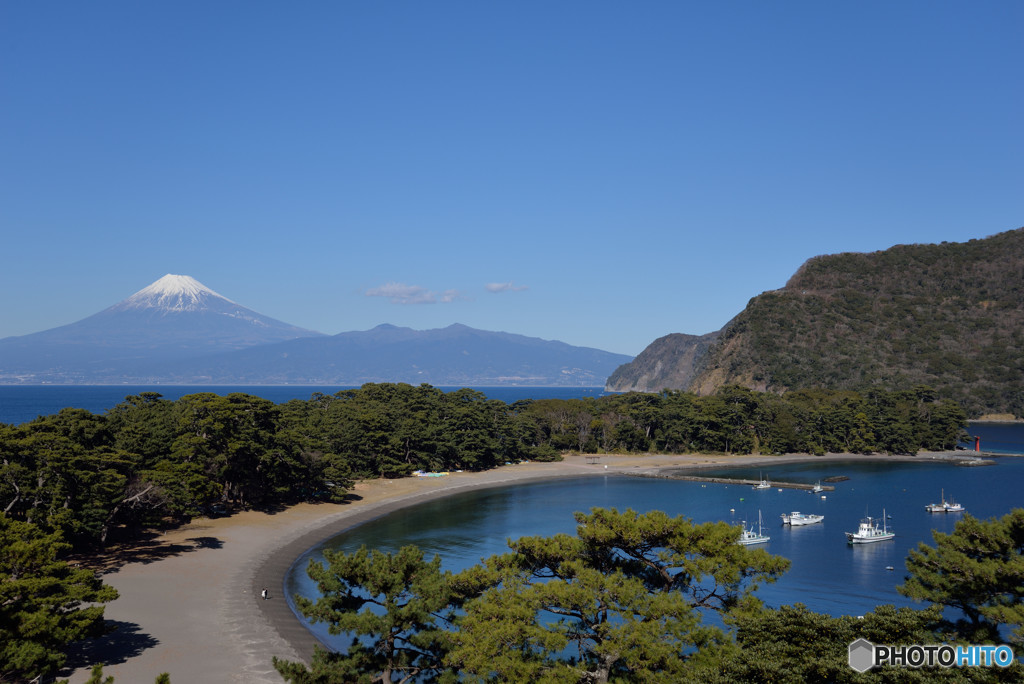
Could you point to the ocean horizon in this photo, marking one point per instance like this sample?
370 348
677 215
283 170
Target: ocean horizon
24 403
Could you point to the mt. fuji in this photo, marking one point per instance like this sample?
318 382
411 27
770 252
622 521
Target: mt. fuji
178 331
175 318
172 293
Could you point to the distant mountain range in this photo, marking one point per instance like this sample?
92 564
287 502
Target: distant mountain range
947 316
177 331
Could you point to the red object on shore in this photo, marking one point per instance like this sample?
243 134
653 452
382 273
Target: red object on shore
977 443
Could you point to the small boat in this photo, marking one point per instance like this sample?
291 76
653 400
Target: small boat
796 518
748 536
817 488
763 484
945 507
869 532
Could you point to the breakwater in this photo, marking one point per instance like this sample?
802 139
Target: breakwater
669 475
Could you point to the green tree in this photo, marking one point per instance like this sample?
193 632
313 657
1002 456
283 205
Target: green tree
391 604
96 677
976 569
623 596
42 601
794 645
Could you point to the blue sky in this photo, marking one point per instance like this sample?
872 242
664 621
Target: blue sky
593 172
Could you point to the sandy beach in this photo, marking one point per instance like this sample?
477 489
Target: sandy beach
190 599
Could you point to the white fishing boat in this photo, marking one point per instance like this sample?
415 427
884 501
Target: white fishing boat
945 506
763 484
869 532
817 488
796 518
748 536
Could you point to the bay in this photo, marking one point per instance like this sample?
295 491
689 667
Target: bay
22 403
827 574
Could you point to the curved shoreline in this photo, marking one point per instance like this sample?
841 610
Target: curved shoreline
190 605
274 570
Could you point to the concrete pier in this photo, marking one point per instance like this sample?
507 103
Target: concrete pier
734 481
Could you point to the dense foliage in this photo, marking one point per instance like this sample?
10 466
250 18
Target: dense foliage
625 600
978 569
45 604
150 461
950 316
626 595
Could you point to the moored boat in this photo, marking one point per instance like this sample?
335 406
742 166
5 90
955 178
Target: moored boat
945 506
869 532
796 518
748 536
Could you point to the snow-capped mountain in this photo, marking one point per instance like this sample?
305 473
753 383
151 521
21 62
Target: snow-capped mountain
178 331
174 318
173 293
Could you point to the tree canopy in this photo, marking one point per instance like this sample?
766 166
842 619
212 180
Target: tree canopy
978 569
45 604
625 595
150 461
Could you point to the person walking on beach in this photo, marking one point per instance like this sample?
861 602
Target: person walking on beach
265 594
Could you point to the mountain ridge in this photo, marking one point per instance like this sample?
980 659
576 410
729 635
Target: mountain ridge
949 316
177 330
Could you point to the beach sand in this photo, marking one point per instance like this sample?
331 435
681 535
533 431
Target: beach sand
190 599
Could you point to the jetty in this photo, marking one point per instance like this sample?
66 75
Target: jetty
732 481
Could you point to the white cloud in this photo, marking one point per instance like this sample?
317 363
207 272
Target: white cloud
400 293
505 287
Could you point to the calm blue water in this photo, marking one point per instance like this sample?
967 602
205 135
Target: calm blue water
22 403
827 574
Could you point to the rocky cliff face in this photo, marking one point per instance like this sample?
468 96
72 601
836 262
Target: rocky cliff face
668 362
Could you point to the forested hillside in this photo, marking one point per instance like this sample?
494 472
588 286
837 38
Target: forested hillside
151 462
950 316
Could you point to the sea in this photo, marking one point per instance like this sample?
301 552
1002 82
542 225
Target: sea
827 574
22 403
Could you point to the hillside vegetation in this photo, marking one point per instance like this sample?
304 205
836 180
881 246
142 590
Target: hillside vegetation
949 316
149 462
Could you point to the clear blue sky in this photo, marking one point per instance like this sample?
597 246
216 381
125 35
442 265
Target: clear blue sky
614 171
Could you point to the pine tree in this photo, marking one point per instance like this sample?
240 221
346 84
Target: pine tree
976 569
42 601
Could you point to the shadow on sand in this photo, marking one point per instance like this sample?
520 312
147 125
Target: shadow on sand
147 549
120 641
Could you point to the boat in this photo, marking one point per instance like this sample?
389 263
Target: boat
748 536
796 518
869 532
817 488
945 506
763 484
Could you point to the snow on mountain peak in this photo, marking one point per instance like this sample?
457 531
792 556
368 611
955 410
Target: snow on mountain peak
173 293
